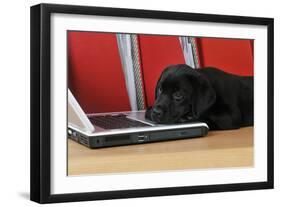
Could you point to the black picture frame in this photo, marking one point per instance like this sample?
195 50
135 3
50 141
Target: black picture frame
40 102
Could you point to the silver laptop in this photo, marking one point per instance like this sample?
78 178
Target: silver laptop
123 128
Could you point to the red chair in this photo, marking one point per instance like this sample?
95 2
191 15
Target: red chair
95 72
231 55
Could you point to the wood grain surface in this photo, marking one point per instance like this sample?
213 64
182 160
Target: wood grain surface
220 149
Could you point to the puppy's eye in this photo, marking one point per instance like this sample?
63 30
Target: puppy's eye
160 90
177 96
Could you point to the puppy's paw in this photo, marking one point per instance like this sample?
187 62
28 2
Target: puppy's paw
187 119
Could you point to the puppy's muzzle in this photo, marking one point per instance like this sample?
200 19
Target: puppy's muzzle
158 113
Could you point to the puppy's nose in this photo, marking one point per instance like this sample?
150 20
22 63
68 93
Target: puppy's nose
157 111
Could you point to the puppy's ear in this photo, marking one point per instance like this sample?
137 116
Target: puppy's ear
203 96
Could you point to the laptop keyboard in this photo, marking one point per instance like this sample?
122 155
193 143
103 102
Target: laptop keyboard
118 121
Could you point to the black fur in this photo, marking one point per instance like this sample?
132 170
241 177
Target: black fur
220 99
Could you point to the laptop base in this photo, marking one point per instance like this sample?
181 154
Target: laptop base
136 137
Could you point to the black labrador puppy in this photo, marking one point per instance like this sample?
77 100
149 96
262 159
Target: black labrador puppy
220 99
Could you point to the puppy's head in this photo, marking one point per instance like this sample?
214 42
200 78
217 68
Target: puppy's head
181 94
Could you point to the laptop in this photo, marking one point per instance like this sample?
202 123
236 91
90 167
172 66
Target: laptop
123 128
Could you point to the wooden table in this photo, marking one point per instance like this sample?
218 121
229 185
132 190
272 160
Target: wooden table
220 149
